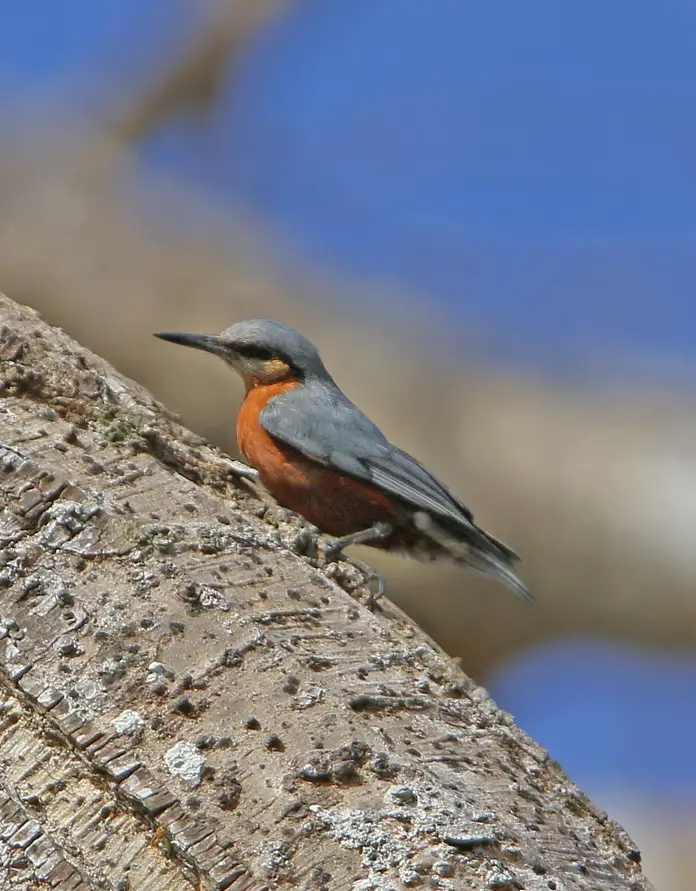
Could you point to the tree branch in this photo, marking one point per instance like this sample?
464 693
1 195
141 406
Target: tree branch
186 698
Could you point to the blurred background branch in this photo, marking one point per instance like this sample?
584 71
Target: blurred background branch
194 79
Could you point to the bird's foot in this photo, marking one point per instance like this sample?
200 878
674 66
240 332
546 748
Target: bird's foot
333 552
375 584
243 471
346 578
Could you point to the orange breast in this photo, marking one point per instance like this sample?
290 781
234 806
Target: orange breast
335 503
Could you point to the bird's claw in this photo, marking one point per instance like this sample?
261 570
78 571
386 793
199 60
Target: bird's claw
243 471
379 593
333 551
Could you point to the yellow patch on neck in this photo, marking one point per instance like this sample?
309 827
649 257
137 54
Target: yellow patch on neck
270 372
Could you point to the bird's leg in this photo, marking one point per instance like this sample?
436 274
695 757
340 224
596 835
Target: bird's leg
333 550
363 536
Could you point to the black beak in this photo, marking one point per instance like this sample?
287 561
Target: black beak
210 343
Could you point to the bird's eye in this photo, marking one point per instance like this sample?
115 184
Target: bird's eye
253 351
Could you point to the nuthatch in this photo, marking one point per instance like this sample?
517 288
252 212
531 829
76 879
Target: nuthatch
320 456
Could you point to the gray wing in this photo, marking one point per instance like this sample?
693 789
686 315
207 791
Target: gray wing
325 426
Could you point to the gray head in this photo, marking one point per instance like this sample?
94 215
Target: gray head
260 350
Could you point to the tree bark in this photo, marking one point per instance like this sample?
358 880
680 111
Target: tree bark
187 698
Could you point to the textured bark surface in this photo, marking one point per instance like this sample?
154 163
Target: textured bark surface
188 701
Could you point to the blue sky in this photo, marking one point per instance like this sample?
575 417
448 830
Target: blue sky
531 166
614 718
528 167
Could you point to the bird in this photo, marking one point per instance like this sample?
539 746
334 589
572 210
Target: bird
318 455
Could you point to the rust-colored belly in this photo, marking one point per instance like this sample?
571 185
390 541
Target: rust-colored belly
336 503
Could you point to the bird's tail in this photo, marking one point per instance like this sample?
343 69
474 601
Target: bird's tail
480 552
492 566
